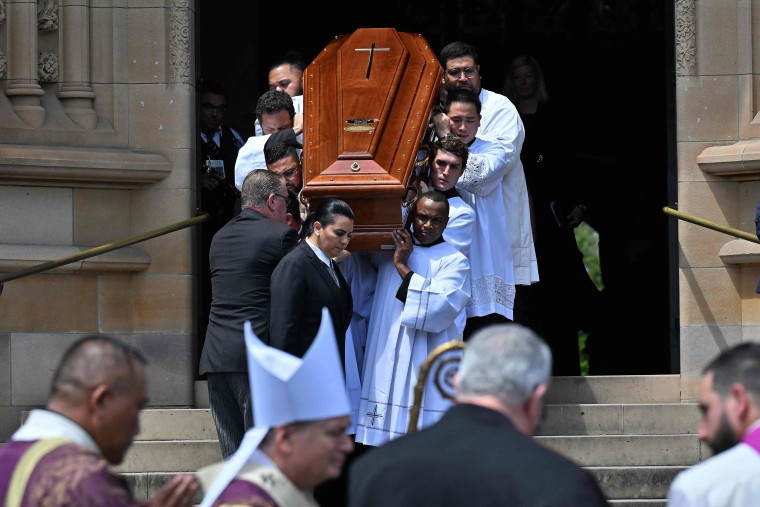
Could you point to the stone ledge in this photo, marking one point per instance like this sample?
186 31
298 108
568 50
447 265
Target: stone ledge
68 167
740 251
737 162
19 257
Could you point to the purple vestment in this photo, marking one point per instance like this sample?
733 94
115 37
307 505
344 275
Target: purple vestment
240 492
67 476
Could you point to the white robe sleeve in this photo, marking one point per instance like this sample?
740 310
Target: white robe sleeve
485 170
250 157
460 229
432 304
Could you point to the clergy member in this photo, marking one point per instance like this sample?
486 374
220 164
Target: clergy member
420 297
301 413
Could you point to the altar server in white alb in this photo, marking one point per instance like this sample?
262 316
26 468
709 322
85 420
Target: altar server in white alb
498 121
420 297
299 440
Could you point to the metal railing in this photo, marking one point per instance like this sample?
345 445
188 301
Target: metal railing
92 252
711 225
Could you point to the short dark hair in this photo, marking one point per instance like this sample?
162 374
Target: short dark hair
462 95
452 144
274 101
436 196
278 151
738 364
292 58
458 49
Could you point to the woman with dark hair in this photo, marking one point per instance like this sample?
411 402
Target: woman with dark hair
307 279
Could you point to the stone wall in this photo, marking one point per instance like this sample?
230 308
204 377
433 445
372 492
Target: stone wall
97 122
718 121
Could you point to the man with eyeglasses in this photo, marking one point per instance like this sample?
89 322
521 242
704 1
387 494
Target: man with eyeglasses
219 146
243 256
500 123
276 115
420 295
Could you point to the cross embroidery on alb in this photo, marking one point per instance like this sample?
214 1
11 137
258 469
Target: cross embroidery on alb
374 415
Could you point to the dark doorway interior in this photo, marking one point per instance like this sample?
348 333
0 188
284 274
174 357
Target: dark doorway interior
610 62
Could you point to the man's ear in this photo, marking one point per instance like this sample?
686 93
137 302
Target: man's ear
534 405
742 402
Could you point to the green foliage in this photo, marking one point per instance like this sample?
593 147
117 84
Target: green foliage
588 243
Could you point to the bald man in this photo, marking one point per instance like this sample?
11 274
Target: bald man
63 453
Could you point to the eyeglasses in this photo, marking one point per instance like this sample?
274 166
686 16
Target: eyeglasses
218 109
468 72
284 198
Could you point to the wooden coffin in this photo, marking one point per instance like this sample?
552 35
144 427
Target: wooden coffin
367 103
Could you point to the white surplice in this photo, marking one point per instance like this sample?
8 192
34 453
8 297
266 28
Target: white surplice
401 335
501 122
461 227
491 263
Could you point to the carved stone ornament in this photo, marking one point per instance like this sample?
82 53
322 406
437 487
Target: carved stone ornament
686 39
47 67
2 12
179 40
3 64
47 15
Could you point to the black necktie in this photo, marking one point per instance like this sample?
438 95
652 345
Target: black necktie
214 153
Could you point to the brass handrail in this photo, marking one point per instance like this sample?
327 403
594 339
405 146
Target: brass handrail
711 225
92 252
414 410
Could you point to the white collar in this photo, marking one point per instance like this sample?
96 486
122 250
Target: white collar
43 424
322 256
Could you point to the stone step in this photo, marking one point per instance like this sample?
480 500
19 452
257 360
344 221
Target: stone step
565 419
620 419
639 503
597 450
176 424
170 456
640 486
615 389
627 450
612 389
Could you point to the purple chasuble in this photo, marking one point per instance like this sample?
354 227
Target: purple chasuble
752 439
240 492
69 475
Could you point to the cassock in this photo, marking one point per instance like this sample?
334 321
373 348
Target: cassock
501 123
491 263
402 332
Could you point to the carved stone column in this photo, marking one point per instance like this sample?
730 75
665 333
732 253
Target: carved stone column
75 91
23 90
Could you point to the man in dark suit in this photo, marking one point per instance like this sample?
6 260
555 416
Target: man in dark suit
243 256
480 453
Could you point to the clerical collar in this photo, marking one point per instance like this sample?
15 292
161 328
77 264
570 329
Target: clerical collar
436 242
452 192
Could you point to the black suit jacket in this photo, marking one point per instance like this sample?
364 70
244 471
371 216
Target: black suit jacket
472 457
301 286
243 256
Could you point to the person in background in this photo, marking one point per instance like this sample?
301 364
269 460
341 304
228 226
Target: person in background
729 399
63 454
481 452
243 256
557 209
294 446
219 146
